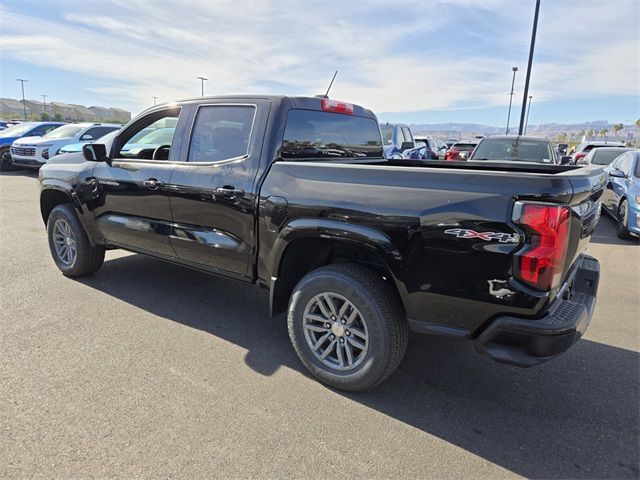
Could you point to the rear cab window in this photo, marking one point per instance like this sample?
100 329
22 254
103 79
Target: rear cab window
311 134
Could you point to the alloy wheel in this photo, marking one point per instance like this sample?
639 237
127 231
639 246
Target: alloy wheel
64 242
335 331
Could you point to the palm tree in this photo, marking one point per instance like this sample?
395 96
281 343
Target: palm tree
604 132
617 127
590 133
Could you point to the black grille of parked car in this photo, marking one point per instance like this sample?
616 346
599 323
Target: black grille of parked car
24 151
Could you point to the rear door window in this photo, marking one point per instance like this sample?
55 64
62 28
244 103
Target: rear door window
315 134
221 132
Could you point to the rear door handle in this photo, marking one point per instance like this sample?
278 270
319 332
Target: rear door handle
229 192
153 183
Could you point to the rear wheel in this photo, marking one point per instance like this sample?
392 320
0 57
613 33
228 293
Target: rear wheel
70 248
347 326
622 226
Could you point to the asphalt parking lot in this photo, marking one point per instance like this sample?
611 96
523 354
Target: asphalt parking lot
149 369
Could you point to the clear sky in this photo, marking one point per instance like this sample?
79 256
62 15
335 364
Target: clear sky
428 61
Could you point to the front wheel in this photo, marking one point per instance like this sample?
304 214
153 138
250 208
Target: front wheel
70 248
347 326
622 226
6 165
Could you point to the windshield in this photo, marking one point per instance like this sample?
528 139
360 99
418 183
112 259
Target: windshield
17 130
387 133
65 131
514 149
605 157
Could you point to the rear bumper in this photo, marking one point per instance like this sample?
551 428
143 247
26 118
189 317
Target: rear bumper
527 342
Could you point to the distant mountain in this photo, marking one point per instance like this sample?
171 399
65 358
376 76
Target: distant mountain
550 130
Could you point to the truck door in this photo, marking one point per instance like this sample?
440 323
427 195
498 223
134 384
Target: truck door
213 193
131 206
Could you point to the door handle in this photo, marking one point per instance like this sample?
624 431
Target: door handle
153 183
229 192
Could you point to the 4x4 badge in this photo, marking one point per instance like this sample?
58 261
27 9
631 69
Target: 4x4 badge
487 236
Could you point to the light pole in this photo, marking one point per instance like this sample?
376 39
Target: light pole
24 105
202 80
526 123
513 81
155 100
44 104
526 81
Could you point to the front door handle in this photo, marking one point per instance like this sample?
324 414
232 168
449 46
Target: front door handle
153 183
229 191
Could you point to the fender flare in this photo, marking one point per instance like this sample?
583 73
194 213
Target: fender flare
337 230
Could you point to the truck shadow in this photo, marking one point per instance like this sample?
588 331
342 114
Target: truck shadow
575 417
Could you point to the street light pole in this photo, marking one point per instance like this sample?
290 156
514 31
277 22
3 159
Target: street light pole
526 123
44 104
526 82
202 79
513 81
24 105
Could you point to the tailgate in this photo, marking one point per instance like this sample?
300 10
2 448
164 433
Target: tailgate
588 184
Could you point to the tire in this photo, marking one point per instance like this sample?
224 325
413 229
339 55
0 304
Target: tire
64 228
622 229
376 334
5 161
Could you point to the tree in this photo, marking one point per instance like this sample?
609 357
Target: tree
590 133
57 117
617 127
604 132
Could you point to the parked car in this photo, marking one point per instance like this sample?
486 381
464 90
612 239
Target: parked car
20 130
433 147
77 147
420 152
562 149
6 124
515 149
295 195
586 147
621 197
32 152
396 139
461 150
602 155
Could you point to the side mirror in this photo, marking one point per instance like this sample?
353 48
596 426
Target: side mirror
565 160
407 146
86 136
95 152
617 174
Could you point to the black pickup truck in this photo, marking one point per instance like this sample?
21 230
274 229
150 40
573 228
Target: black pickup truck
295 195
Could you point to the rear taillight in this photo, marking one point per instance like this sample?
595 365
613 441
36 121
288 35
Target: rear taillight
336 106
541 262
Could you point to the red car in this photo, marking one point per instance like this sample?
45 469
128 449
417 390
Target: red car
460 151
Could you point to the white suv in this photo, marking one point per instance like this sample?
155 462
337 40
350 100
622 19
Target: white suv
33 152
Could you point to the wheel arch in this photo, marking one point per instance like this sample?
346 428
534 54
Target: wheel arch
54 193
306 244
